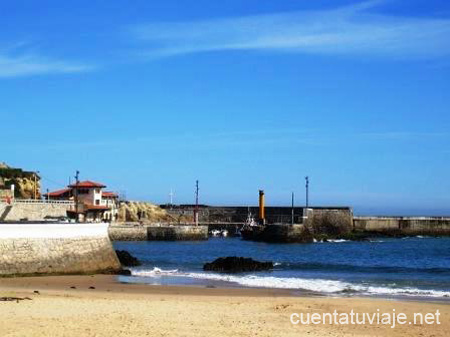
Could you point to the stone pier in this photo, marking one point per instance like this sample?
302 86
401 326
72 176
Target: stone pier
136 232
43 249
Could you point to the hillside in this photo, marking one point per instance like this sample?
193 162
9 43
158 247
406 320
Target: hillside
26 182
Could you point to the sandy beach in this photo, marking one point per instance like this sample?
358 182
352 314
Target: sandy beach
99 306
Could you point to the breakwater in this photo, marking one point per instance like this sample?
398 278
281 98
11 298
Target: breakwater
137 232
212 215
33 249
403 225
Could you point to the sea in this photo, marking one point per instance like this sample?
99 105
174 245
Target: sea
414 267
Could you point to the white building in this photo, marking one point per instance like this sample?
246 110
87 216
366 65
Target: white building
94 204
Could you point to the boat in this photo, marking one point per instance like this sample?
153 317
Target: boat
215 232
251 230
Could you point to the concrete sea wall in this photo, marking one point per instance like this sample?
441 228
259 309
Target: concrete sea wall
234 214
330 221
404 225
127 233
286 234
33 210
28 249
157 233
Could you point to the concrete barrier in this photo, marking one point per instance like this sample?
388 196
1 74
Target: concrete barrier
33 210
404 225
41 249
127 233
329 221
177 233
157 233
287 234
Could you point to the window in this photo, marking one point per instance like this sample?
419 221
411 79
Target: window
97 202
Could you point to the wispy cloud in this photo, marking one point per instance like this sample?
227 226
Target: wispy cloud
15 63
351 30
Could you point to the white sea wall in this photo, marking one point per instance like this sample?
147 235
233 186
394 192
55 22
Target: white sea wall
33 210
30 249
404 225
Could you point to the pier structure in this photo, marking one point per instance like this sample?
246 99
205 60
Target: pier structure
157 232
319 220
434 226
45 248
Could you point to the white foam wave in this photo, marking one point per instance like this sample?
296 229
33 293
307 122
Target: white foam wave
338 240
328 286
314 285
154 272
331 241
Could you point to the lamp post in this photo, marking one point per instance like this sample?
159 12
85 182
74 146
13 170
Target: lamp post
307 190
76 195
292 210
171 198
196 204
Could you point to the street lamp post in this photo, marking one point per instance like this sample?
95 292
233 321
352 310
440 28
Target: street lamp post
76 195
196 204
292 208
307 190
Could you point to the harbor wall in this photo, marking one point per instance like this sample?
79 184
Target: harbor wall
33 210
330 221
404 225
235 214
135 232
287 234
42 249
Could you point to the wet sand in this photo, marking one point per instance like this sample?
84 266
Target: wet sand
99 306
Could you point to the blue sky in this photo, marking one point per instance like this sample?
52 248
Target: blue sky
146 96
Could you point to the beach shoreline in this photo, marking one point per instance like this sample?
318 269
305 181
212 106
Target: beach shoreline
99 305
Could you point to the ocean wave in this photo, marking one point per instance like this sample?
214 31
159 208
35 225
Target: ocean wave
313 285
331 241
363 268
154 272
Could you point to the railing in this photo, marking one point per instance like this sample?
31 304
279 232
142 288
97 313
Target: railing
39 202
401 218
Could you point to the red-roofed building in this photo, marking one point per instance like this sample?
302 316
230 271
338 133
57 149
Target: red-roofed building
63 194
87 184
94 205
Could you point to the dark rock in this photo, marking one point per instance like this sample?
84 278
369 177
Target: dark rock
126 259
124 272
91 287
234 264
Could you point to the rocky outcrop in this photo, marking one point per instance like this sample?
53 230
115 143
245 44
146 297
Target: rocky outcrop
234 264
27 184
134 211
126 259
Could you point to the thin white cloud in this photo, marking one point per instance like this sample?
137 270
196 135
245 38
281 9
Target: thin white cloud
351 30
12 65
